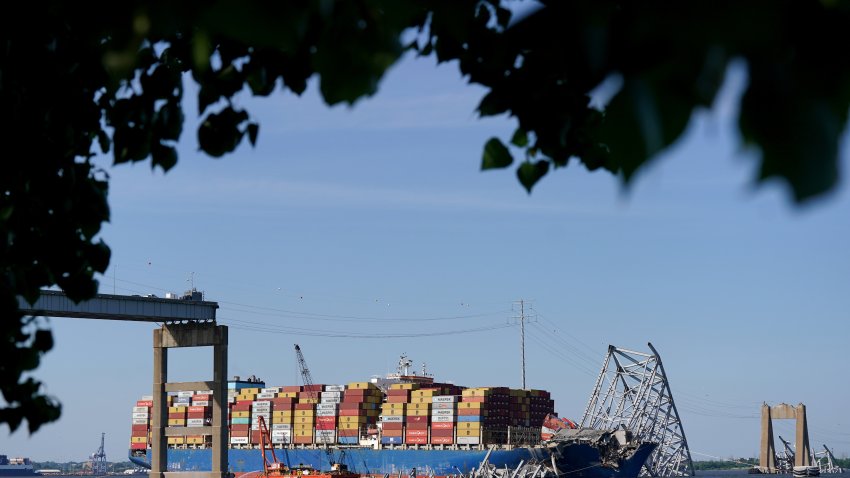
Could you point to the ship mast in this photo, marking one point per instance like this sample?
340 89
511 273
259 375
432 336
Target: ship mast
521 318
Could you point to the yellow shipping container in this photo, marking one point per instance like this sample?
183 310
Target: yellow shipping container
471 405
176 409
304 413
283 413
304 420
468 433
245 398
240 414
250 390
176 440
393 406
352 419
362 385
421 399
418 413
282 421
308 400
404 386
303 433
468 425
397 412
176 422
138 439
195 440
477 392
428 392
350 426
287 394
419 406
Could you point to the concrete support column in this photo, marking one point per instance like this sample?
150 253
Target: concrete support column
803 457
159 413
767 451
219 437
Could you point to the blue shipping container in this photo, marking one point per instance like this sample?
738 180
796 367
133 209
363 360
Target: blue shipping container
391 441
468 418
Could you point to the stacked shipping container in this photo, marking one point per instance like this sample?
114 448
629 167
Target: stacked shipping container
410 414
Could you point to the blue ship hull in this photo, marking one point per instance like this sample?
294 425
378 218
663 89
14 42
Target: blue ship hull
578 460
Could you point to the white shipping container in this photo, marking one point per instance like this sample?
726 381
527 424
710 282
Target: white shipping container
195 422
147 397
281 440
204 392
335 388
331 394
279 433
270 390
443 418
267 395
239 440
443 412
443 406
256 416
203 403
325 413
140 409
330 400
185 394
392 418
326 406
445 399
261 406
467 440
281 426
140 414
140 421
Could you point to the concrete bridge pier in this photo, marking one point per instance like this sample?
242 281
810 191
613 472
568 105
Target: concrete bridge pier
194 334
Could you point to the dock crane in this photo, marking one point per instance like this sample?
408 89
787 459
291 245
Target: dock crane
271 467
97 459
336 465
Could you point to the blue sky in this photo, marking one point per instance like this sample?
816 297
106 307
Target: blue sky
347 228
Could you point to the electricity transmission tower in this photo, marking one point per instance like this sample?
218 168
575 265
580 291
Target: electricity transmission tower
632 391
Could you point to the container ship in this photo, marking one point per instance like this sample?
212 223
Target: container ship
403 423
16 467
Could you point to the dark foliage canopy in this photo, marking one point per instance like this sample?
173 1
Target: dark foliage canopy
80 78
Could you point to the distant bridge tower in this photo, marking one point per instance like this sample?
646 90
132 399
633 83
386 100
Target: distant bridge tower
97 459
767 454
632 391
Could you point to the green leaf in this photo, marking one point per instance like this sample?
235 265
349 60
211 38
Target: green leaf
520 138
163 156
496 155
529 173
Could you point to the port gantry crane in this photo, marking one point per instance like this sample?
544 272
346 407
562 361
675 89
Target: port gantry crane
336 465
97 459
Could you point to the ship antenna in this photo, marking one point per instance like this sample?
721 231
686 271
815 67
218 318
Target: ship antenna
522 317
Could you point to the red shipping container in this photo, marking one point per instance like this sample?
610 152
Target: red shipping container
472 399
469 412
198 409
442 426
241 407
396 399
302 440
355 392
291 388
255 436
325 419
305 406
417 426
240 427
202 397
394 392
347 433
416 433
417 419
442 433
316 387
138 446
283 401
325 426
139 433
391 433
393 426
345 405
144 403
437 440
349 412
139 427
198 415
177 415
239 433
416 440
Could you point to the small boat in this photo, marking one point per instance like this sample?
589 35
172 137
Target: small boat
803 471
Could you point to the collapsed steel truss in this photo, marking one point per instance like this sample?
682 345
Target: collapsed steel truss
632 391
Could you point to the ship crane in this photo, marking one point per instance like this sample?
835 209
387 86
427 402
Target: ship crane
785 459
308 385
